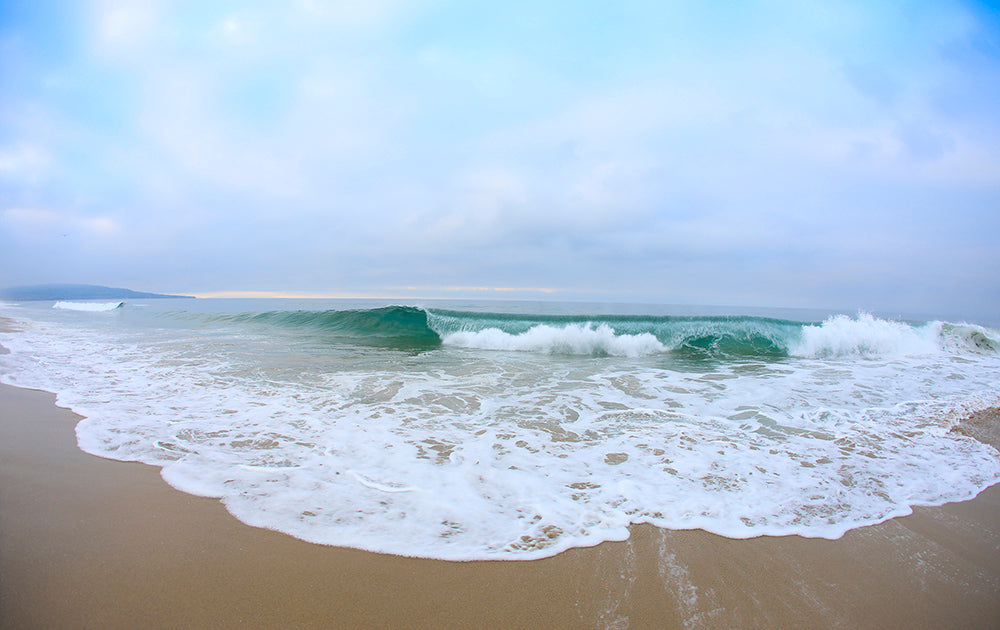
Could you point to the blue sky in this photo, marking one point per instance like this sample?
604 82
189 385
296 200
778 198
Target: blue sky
828 154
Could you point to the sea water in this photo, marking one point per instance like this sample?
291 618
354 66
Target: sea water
493 430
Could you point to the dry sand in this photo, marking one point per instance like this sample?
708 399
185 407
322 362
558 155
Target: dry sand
91 543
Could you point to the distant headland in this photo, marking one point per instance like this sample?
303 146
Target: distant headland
77 292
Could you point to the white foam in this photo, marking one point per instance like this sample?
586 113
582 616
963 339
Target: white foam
867 336
962 338
368 483
93 307
457 455
579 339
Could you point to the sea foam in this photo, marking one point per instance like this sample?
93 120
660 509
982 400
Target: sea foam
867 336
528 448
93 307
579 339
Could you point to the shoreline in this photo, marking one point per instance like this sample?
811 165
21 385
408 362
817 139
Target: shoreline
88 542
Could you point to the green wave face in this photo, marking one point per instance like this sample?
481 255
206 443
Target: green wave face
693 338
409 327
690 337
404 327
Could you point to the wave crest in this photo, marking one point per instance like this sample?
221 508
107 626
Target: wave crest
970 338
582 339
91 307
689 337
870 336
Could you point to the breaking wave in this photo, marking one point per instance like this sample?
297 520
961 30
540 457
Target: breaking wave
717 337
92 307
518 435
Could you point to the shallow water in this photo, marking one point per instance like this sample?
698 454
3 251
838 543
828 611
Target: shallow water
515 431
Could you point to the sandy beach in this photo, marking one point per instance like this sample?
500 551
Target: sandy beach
92 543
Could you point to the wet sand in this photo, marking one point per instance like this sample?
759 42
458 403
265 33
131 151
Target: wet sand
92 543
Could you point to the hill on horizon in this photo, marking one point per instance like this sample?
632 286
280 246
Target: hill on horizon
78 292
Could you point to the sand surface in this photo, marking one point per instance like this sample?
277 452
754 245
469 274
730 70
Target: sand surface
92 543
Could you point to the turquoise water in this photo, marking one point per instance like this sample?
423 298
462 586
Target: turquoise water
488 430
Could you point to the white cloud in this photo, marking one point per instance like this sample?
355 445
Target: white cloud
101 225
240 30
483 207
344 135
354 13
124 28
40 222
26 162
30 218
257 103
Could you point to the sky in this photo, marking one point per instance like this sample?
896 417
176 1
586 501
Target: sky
761 153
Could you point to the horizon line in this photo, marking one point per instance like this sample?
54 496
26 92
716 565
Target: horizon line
312 295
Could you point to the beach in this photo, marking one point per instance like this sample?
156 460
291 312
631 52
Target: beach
402 314
92 543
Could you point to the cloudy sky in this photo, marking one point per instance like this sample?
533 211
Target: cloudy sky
785 153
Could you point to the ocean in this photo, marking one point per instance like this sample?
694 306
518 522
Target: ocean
517 430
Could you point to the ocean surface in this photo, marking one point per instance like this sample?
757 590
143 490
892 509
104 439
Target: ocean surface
493 430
